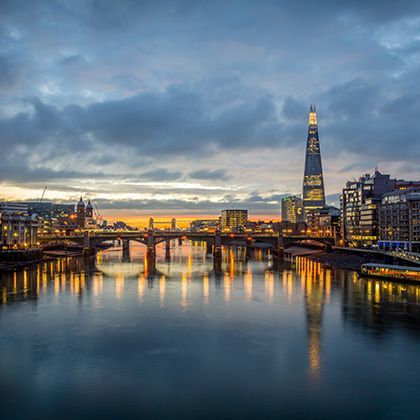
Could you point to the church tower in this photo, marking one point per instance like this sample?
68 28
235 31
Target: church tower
80 213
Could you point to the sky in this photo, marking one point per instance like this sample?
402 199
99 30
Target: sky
161 108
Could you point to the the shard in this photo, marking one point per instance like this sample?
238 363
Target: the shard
313 181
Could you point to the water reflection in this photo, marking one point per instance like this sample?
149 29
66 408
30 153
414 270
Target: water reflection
259 321
375 306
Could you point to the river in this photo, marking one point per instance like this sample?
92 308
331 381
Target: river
103 338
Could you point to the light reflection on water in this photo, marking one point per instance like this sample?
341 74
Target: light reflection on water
254 340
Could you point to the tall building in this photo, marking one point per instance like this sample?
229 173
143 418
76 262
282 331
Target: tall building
360 202
234 219
399 220
313 181
292 209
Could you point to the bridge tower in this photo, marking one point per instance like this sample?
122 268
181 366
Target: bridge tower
151 226
173 224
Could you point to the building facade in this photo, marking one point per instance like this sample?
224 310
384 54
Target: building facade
205 224
399 220
324 221
360 202
17 228
233 219
292 209
313 180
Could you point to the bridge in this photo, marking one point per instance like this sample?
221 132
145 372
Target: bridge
91 241
150 238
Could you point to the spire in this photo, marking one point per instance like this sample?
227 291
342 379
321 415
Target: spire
312 115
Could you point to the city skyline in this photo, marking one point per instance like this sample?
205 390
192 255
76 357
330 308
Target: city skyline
177 118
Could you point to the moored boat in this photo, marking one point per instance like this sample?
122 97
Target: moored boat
398 272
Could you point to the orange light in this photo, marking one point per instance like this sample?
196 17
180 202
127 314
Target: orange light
232 235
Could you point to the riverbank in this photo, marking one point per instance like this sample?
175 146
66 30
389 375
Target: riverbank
340 260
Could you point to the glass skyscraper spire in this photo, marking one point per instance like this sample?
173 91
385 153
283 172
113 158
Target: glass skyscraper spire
313 181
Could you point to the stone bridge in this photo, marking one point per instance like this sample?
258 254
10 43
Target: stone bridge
150 238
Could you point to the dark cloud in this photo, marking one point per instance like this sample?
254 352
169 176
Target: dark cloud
206 174
11 70
161 91
161 174
254 202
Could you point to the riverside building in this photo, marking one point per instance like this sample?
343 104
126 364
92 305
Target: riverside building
360 202
399 220
17 228
324 221
233 219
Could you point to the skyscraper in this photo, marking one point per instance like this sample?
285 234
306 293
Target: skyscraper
292 209
313 181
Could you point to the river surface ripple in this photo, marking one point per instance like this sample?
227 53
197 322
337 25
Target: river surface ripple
104 338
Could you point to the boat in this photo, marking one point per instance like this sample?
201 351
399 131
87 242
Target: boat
399 272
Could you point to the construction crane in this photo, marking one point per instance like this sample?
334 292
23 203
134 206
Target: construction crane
97 214
42 196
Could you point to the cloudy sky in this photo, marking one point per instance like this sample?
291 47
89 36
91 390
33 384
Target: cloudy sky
188 107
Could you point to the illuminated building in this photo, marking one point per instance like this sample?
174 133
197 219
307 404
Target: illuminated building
292 209
324 221
53 217
399 220
17 228
313 181
234 219
360 202
204 224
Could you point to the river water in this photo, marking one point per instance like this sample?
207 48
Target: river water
103 338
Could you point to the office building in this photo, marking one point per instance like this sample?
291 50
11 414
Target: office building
313 181
324 221
292 209
234 219
399 220
360 202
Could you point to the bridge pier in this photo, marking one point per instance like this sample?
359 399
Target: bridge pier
249 248
125 249
217 249
87 250
180 241
279 248
209 248
151 250
168 250
150 270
